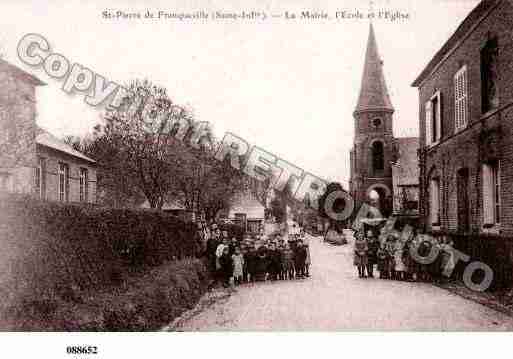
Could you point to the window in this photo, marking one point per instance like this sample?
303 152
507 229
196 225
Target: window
5 182
489 91
433 119
40 178
491 193
462 184
84 180
378 160
376 122
434 201
63 182
460 99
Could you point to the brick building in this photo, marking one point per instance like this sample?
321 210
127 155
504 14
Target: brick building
466 113
375 148
31 159
466 132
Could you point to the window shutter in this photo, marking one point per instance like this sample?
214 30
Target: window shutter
460 99
429 117
438 123
434 200
488 192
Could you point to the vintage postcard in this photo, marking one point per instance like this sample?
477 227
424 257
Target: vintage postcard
258 166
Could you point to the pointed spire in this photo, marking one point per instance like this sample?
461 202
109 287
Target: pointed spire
373 90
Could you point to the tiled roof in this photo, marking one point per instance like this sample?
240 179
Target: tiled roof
406 169
373 90
248 204
46 139
21 74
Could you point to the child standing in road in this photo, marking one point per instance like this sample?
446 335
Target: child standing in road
383 262
360 254
287 257
400 267
238 266
300 259
226 264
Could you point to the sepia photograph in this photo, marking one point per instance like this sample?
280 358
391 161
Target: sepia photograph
247 167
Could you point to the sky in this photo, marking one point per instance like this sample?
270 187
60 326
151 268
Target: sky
289 86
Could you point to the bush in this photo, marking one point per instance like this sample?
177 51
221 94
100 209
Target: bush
55 250
146 301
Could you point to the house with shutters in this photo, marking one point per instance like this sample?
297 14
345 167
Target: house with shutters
466 128
32 160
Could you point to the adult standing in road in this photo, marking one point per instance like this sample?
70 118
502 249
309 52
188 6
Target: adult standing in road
372 254
212 244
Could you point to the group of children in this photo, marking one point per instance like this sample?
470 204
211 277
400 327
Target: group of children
394 260
258 259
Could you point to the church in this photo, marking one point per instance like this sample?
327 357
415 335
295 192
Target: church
384 169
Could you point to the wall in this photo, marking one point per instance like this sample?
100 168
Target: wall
467 149
17 128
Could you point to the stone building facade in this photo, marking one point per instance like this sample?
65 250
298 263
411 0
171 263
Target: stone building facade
33 161
17 128
466 127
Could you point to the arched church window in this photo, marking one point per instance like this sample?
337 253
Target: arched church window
378 156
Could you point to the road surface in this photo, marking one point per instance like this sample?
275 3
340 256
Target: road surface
335 299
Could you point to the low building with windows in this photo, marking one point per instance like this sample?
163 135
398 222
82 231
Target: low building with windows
246 211
405 178
466 128
62 173
32 160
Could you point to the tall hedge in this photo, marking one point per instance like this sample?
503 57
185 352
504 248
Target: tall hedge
49 248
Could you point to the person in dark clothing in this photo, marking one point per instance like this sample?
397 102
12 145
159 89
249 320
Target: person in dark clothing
226 267
251 263
274 262
261 264
300 259
233 244
372 253
212 244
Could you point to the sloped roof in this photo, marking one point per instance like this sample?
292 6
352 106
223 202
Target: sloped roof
373 90
466 25
167 206
406 169
20 74
45 138
248 204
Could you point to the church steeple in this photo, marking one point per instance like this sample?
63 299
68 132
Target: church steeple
373 91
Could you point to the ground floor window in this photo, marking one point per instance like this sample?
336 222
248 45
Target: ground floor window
40 178
491 193
63 182
434 201
5 182
83 184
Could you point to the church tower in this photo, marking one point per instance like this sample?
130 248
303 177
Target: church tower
371 172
